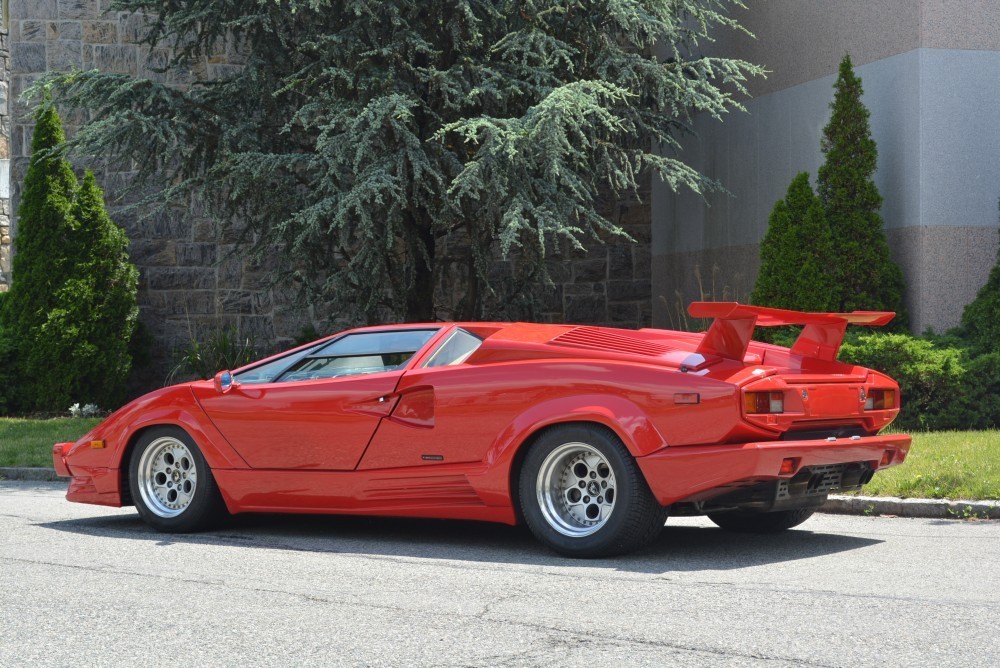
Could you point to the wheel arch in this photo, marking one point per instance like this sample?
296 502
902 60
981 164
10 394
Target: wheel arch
521 452
626 420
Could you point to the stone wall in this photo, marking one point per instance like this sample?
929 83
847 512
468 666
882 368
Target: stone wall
609 284
190 285
5 209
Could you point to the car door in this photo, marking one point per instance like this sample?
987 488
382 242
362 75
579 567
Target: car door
449 412
320 409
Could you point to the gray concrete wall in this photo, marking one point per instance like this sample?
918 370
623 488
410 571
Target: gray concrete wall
935 114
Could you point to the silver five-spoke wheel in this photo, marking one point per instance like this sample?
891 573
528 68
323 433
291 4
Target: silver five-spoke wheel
167 477
576 489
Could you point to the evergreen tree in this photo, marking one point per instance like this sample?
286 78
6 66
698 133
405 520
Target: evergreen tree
795 255
866 276
981 318
71 309
87 332
44 254
370 148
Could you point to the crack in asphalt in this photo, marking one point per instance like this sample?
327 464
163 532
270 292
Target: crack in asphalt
236 540
481 616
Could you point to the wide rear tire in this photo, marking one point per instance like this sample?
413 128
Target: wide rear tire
772 522
171 483
582 494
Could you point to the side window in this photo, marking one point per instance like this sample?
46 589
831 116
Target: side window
267 373
455 350
355 354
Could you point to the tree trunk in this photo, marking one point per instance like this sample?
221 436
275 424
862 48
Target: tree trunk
420 297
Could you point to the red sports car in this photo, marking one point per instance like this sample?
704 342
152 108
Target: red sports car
589 435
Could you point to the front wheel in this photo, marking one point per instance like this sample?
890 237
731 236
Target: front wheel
772 522
582 494
171 483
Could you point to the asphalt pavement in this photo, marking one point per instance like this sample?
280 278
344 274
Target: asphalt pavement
84 585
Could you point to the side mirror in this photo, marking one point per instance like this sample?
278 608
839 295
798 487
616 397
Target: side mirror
224 381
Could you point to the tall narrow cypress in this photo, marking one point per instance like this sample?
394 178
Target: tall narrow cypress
866 276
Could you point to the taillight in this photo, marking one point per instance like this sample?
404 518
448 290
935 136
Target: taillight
764 402
880 400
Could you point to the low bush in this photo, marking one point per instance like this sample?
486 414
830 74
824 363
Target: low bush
931 379
223 349
943 384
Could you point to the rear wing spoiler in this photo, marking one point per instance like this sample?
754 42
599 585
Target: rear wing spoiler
733 325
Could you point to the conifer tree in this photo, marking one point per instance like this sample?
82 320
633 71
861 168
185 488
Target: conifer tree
795 253
981 318
71 308
44 254
866 276
87 332
371 148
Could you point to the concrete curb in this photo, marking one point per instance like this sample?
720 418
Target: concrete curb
33 474
841 505
892 505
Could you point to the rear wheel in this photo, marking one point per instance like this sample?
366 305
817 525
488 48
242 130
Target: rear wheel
772 522
171 483
582 494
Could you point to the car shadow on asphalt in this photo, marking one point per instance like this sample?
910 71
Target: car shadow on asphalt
679 548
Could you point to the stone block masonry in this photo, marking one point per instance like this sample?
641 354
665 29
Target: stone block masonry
6 232
189 285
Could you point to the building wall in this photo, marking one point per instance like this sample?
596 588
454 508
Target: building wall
929 71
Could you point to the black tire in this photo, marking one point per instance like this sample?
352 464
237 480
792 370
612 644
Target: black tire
634 517
772 522
199 508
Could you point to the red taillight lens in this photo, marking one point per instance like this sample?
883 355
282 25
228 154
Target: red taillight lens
880 400
788 465
764 402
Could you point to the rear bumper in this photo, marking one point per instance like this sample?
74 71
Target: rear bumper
683 473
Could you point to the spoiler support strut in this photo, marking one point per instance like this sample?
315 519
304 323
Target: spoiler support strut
734 323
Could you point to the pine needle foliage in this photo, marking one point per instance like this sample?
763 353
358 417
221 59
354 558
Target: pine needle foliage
866 276
71 308
367 146
981 318
795 271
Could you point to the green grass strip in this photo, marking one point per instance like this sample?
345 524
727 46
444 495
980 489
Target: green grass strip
941 465
945 465
29 442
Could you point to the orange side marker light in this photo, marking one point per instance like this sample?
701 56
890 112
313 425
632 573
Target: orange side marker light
97 445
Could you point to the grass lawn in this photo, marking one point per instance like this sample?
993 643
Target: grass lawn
29 442
944 465
941 465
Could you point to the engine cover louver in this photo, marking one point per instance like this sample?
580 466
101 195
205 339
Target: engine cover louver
594 338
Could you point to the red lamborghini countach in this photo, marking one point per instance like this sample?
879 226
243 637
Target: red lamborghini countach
591 436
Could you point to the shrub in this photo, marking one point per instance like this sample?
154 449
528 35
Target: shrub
72 308
932 379
224 349
981 318
980 408
7 376
866 277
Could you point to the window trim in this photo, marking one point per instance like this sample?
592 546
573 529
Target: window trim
426 363
296 355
